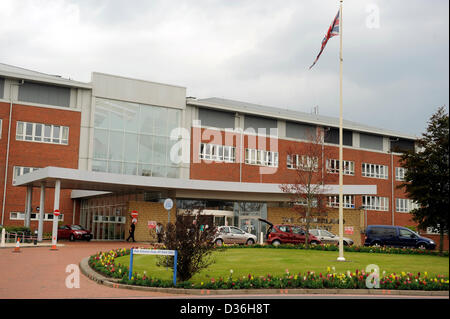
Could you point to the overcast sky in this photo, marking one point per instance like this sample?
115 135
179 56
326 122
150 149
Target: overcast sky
396 69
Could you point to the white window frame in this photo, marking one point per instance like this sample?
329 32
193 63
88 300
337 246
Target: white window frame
374 171
214 152
333 167
405 205
349 201
20 170
375 203
303 162
400 174
261 157
21 216
62 137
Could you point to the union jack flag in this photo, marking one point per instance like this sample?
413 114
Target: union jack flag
333 30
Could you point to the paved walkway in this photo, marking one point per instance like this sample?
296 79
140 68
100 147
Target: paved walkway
38 272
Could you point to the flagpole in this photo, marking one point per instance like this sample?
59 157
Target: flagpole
341 131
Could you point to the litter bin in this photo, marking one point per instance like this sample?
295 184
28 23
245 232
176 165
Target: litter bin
35 237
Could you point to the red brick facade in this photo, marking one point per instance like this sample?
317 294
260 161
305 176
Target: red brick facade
35 154
207 170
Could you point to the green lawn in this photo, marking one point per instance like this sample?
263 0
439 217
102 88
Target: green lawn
260 261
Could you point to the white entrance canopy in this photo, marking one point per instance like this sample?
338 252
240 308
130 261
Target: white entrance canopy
78 180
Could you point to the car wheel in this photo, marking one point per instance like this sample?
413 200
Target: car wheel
376 244
422 246
276 243
219 242
72 237
250 241
314 243
345 243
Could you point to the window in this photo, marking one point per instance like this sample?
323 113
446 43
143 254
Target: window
333 167
304 202
217 153
46 133
33 216
400 174
405 205
298 230
303 162
236 231
20 170
285 229
405 233
349 201
314 232
374 171
261 157
375 203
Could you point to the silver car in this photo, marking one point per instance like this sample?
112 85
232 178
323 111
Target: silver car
233 235
329 238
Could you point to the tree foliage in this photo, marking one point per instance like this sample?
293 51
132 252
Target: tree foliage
427 175
192 236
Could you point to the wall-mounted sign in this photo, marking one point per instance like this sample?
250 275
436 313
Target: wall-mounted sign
348 230
151 224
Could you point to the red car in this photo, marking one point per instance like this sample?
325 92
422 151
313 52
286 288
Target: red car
287 234
73 232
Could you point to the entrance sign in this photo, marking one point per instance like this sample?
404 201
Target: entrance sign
348 230
151 224
141 251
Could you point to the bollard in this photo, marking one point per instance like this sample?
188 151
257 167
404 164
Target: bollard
3 237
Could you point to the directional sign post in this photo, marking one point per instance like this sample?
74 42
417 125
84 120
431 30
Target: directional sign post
168 204
139 251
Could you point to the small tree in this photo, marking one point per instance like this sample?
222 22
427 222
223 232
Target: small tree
193 237
306 188
427 176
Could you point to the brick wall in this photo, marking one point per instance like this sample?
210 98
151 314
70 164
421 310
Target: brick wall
34 154
147 211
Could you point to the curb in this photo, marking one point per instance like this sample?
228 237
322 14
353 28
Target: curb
114 283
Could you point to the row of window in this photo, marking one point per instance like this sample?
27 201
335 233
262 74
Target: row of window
33 216
267 158
403 205
44 133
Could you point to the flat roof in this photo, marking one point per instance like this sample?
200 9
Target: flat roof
107 182
291 115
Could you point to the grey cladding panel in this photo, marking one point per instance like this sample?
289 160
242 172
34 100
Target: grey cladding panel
300 131
332 136
373 142
215 118
44 94
2 88
256 122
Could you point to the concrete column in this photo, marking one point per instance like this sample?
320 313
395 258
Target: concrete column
41 212
28 201
55 219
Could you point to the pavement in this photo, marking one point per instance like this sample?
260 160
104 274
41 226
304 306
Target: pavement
38 272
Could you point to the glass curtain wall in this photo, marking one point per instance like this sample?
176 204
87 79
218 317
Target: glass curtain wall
105 217
134 139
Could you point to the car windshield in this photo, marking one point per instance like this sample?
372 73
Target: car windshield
76 227
326 233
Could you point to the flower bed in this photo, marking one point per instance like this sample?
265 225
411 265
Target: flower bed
353 249
104 263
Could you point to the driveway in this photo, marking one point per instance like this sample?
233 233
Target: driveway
41 273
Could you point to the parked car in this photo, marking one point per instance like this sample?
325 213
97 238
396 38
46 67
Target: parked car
74 232
397 236
287 234
233 235
327 237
